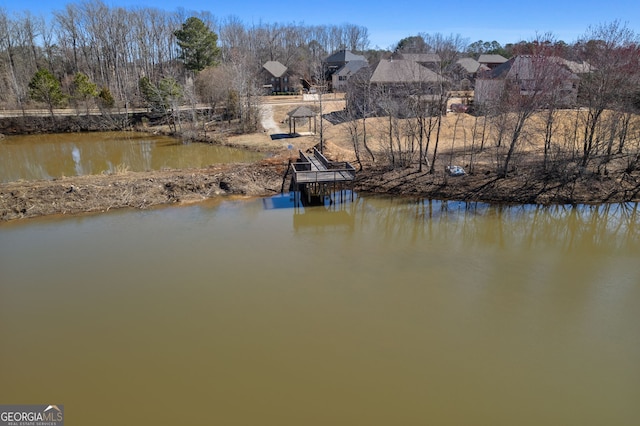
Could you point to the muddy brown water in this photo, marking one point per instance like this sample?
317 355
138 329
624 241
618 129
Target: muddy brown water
371 312
50 156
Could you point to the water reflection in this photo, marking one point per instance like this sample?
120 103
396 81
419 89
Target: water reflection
75 153
572 227
338 210
49 156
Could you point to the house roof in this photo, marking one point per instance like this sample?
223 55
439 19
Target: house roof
576 67
501 71
402 71
492 59
523 67
351 68
422 57
301 112
344 56
275 68
470 65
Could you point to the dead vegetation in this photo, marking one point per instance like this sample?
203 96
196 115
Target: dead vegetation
140 190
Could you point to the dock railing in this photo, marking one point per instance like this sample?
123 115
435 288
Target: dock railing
308 171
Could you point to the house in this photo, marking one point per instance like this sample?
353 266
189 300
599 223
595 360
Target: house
463 74
404 82
337 61
277 79
406 75
341 58
492 61
531 75
471 67
398 85
341 76
466 72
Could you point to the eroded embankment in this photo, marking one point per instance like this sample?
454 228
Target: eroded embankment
99 193
518 188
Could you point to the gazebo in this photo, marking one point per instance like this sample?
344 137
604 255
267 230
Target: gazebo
301 112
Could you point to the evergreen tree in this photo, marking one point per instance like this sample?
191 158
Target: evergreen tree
198 44
167 94
45 87
164 97
412 44
84 89
150 94
106 98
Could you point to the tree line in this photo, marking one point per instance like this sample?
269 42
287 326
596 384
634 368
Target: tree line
115 47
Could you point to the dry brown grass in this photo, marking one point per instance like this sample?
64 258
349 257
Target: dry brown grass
455 142
457 135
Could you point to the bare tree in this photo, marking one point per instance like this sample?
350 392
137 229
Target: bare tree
357 37
611 52
212 85
359 106
448 48
68 33
532 82
15 91
244 86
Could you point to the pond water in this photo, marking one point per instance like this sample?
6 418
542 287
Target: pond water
370 312
50 156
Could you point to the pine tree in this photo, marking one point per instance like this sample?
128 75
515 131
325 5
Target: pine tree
84 89
198 44
106 98
45 87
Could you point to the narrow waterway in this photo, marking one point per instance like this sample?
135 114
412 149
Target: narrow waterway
51 156
371 312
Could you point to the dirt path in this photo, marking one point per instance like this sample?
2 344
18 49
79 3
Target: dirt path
267 120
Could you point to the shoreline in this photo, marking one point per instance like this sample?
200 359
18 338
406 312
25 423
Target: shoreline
142 190
483 186
138 190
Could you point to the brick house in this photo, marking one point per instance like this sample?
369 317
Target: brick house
277 79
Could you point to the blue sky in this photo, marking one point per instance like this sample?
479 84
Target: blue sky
390 21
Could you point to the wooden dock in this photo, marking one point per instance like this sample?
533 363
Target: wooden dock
314 175
317 169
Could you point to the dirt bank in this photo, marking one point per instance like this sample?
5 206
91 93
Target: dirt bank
140 190
483 185
100 193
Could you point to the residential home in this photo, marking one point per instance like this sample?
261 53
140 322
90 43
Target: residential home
340 78
340 59
467 71
404 81
492 61
471 67
337 61
533 75
277 78
406 75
